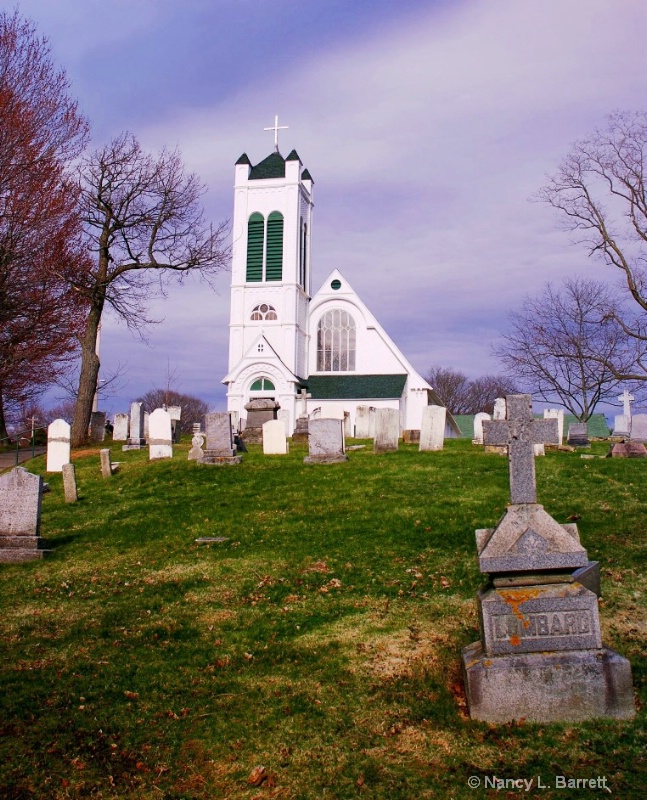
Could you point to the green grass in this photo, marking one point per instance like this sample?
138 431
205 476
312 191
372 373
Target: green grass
321 640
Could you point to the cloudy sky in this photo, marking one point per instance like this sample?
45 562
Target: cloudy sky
426 124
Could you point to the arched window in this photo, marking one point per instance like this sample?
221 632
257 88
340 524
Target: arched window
336 342
274 247
262 384
264 311
255 239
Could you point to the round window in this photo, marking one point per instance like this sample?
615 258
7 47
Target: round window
336 284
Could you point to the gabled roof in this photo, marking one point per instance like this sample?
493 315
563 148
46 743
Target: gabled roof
356 387
596 424
271 167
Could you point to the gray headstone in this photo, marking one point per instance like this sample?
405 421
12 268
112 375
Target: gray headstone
58 445
639 427
197 443
219 435
21 495
98 426
160 437
136 435
578 434
274 439
387 430
69 483
106 463
120 428
621 425
432 428
558 414
326 442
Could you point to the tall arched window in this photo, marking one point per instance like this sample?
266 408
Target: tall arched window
255 241
336 342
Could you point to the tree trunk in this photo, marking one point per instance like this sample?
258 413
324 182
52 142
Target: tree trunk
4 436
88 378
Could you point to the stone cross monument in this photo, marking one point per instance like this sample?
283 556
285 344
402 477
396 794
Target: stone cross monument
541 655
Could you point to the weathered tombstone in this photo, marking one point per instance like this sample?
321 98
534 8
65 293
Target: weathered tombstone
499 408
197 443
387 430
365 422
58 445
258 411
284 415
326 443
274 438
639 427
432 428
479 419
621 425
176 428
300 433
21 495
147 418
160 437
120 428
578 435
107 467
541 656
98 426
628 449
558 414
219 449
136 437
69 483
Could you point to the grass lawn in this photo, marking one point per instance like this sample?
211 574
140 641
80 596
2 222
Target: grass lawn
315 653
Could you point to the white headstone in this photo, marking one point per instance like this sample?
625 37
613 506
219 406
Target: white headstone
387 430
159 435
499 408
147 429
326 443
58 445
622 425
120 428
364 422
136 437
626 399
432 428
639 427
332 411
274 438
283 415
479 419
558 414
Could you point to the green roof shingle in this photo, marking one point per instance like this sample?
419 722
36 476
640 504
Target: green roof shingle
356 387
271 167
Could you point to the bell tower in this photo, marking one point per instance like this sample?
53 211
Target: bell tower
270 278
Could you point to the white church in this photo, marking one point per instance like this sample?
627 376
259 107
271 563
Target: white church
286 343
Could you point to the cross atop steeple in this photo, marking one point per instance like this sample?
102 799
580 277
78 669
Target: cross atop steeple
276 128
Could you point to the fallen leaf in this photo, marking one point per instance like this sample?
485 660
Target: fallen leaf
257 776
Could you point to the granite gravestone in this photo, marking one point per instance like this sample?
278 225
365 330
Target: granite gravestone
628 449
136 433
21 495
558 414
69 483
120 428
219 449
387 430
98 426
432 428
540 656
274 439
160 435
578 435
326 443
258 411
58 445
622 423
639 428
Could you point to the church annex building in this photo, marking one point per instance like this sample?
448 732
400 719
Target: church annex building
284 342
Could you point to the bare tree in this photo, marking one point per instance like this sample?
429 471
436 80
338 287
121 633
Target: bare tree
600 191
145 225
193 409
557 346
461 395
41 130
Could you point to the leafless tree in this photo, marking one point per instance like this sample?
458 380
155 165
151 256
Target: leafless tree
600 191
145 225
558 344
193 409
461 395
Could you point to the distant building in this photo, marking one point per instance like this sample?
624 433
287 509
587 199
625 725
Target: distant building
284 340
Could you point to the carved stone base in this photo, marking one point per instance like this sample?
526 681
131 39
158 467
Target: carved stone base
213 459
571 686
333 459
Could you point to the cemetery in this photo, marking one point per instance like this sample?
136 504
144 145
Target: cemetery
291 629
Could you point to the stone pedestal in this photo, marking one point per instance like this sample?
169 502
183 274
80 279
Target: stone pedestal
220 448
301 430
258 412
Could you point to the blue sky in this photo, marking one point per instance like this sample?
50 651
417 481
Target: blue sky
426 127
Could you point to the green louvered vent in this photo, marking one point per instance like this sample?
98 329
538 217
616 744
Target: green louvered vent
255 237
274 254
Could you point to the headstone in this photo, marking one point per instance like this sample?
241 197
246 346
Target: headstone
176 416
621 425
258 412
98 426
197 443
578 435
58 445
479 419
540 656
21 495
499 408
628 449
363 423
432 428
220 449
274 438
160 436
558 414
106 462
147 418
387 430
300 433
136 437
120 428
326 443
626 398
639 427
284 415
69 483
